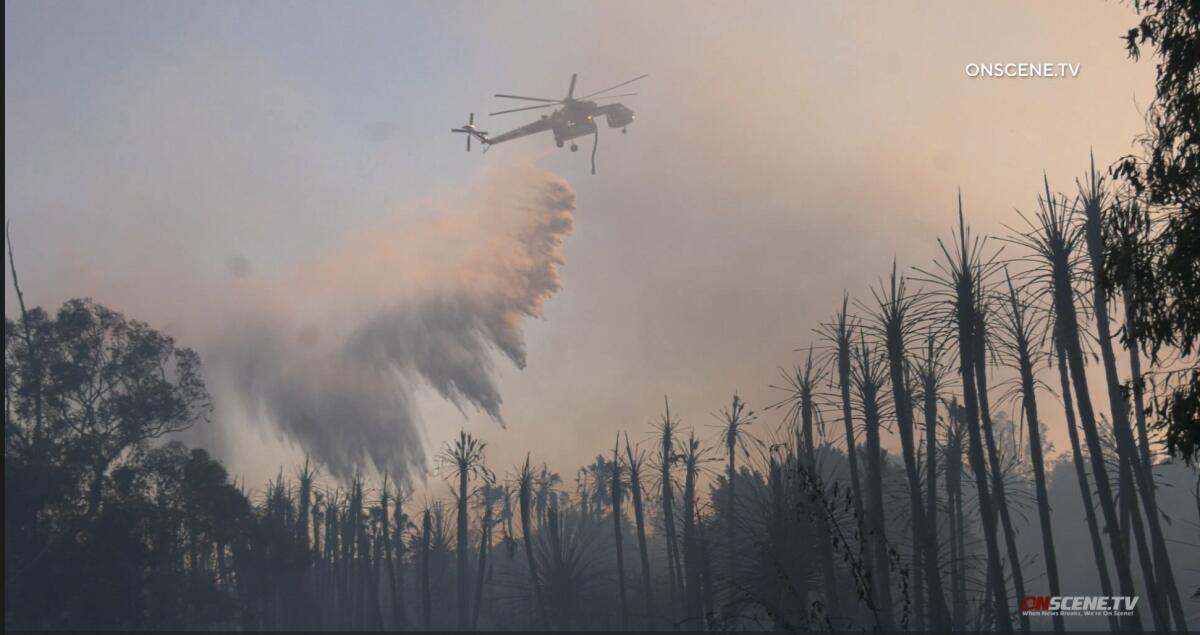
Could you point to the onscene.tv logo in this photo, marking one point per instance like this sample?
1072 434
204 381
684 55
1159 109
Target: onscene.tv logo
1079 605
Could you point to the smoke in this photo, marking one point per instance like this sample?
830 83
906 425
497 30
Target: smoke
334 351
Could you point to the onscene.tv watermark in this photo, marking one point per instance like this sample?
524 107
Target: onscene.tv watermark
1079 605
1048 70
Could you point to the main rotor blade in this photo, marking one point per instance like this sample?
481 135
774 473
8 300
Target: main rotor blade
615 96
571 90
527 98
617 86
504 112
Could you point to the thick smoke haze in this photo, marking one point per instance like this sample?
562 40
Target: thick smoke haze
334 351
188 163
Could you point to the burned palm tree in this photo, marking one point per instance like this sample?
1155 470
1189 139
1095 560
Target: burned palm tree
693 457
956 432
999 490
385 499
1021 332
666 428
525 482
1077 459
840 333
869 376
463 459
930 373
896 316
1094 200
957 289
488 494
800 414
617 493
1053 241
734 419
426 552
633 465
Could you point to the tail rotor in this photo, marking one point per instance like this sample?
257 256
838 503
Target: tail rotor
471 132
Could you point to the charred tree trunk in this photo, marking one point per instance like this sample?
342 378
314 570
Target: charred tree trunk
881 585
462 549
485 545
1084 489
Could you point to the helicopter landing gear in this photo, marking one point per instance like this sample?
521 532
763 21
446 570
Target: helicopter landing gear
624 130
574 148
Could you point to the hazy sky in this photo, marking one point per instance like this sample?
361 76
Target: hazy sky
782 152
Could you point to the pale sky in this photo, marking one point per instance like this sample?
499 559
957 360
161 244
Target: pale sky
782 152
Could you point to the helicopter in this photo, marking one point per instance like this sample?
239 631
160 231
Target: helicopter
576 118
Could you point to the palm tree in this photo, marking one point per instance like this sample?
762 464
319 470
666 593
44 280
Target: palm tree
930 375
868 378
666 427
693 558
895 322
1053 241
840 333
959 278
733 420
1094 200
487 496
426 597
955 432
615 483
985 416
385 529
464 459
525 477
801 386
633 464
1081 475
1021 334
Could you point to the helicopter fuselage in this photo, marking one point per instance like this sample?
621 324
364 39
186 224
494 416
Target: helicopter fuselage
578 119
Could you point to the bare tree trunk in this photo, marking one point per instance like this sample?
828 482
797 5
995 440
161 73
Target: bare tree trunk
706 575
693 592
1084 490
485 542
930 411
957 531
1069 329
